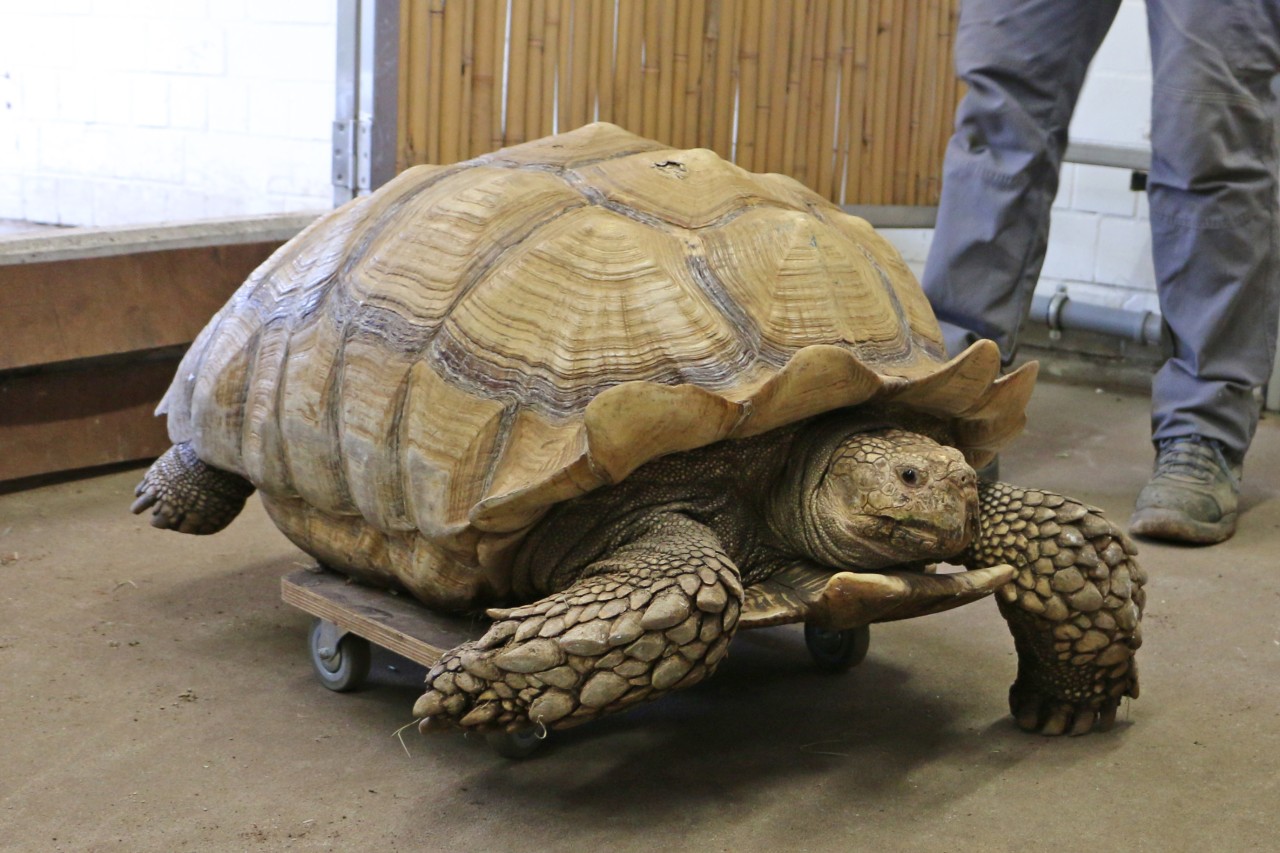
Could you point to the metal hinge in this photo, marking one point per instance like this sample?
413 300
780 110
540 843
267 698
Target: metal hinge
352 141
344 155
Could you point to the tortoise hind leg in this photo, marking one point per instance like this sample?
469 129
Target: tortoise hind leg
653 616
188 495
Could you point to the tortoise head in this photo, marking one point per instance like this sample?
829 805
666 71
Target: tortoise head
884 497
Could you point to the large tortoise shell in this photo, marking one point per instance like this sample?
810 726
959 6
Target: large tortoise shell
416 378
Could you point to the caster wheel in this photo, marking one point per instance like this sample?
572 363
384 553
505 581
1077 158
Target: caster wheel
516 745
837 651
342 665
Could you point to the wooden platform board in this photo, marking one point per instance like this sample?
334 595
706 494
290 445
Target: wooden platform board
394 622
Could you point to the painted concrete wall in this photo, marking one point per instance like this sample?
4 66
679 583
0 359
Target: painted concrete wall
1099 237
116 112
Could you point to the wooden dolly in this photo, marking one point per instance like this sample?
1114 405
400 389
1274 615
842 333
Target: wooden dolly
349 616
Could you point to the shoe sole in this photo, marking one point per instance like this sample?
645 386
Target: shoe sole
1176 526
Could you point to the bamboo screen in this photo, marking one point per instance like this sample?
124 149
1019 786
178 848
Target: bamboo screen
854 98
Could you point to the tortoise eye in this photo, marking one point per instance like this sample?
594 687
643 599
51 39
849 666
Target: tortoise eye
910 476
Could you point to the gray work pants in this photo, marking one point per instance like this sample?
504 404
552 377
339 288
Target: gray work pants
1212 188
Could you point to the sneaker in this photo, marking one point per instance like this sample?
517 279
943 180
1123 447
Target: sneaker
1193 494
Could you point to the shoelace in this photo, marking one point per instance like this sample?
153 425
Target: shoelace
1194 457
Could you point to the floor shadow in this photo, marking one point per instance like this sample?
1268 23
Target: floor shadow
767 721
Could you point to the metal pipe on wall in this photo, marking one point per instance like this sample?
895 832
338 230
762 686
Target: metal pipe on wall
1063 314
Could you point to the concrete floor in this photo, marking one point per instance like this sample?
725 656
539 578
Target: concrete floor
158 696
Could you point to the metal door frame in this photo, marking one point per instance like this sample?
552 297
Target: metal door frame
367 97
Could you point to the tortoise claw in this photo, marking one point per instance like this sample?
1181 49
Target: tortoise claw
1059 719
1040 713
1084 723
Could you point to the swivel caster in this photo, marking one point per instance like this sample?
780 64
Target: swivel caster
341 660
837 651
517 745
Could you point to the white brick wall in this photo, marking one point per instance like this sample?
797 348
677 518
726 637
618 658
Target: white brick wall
1099 237
116 112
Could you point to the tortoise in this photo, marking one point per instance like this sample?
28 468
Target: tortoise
628 400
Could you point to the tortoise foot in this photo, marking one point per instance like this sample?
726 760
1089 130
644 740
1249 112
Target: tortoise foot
1042 712
1071 679
185 494
601 646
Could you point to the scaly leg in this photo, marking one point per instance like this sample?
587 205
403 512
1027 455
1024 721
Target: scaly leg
1074 609
655 615
188 495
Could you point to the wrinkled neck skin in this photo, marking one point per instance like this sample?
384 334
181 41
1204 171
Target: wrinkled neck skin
842 501
757 494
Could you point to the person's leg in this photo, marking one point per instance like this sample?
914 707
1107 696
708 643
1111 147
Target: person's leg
1213 197
1024 62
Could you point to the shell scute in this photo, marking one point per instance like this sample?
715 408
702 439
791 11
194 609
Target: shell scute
369 430
589 144
800 282
447 437
218 388
429 250
598 300
688 189
537 447
629 424
262 450
307 412
894 273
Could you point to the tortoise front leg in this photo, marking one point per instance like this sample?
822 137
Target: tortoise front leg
655 615
1074 609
